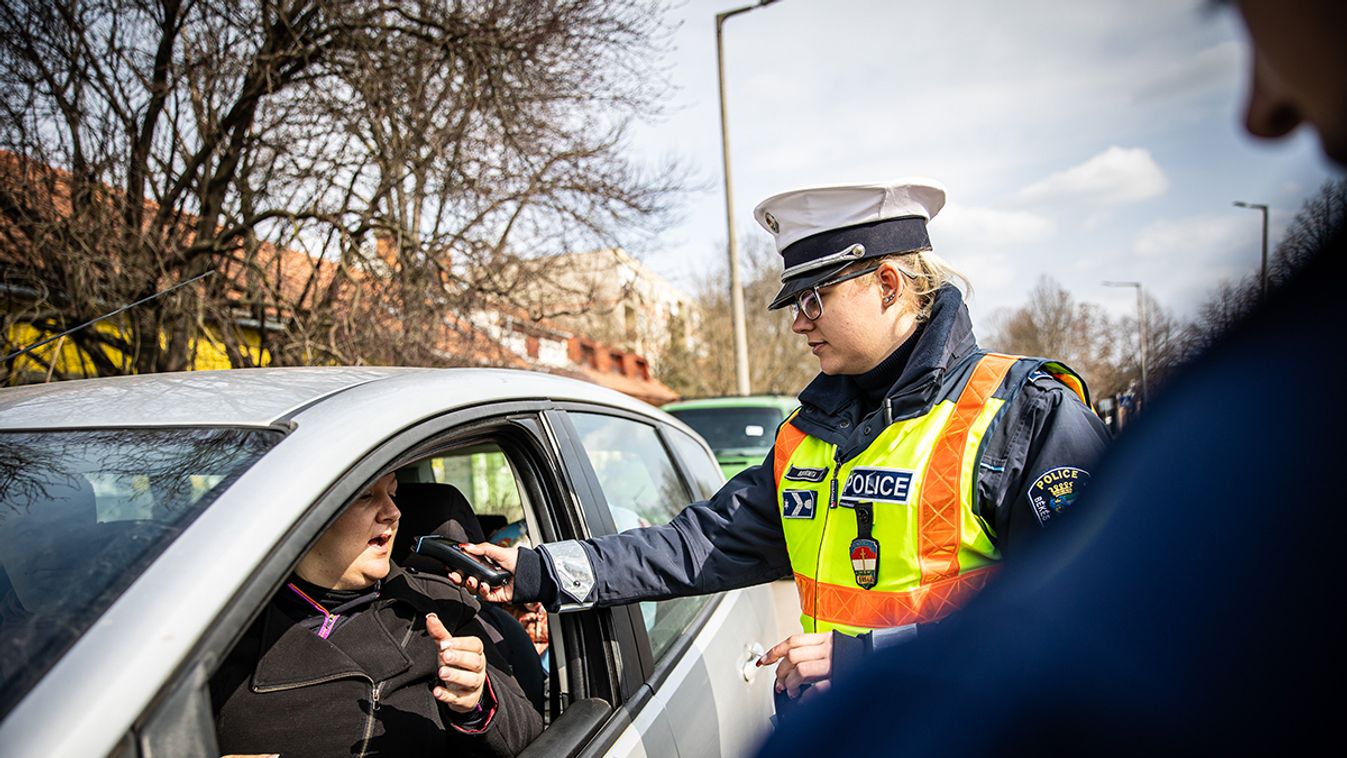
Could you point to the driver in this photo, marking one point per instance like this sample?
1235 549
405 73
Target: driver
355 656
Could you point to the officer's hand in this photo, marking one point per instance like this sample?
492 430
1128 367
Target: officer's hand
462 671
505 557
805 659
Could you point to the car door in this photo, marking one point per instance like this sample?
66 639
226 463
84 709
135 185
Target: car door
595 667
697 652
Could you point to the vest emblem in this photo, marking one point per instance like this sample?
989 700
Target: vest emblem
798 503
865 562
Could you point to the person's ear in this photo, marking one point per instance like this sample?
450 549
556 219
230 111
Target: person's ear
890 284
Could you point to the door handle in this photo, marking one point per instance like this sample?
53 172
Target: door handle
749 668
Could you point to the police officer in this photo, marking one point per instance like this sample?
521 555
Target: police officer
915 463
1189 612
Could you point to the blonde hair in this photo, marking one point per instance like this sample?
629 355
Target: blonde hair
926 273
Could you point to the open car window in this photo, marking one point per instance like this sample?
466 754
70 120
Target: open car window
486 479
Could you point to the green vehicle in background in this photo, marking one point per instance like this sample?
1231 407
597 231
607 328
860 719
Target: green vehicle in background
740 430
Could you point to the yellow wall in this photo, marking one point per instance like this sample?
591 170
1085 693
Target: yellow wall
71 361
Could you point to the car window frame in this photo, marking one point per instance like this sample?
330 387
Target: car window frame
166 727
655 672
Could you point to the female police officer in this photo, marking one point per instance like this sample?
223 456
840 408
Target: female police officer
915 462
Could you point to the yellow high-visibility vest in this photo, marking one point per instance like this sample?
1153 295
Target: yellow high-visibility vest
928 550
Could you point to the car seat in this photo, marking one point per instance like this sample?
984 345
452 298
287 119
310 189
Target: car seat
433 508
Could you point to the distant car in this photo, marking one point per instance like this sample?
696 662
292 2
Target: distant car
145 521
740 430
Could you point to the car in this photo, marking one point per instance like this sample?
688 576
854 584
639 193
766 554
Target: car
740 430
147 520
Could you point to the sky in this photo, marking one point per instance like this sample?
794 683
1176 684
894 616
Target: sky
1089 141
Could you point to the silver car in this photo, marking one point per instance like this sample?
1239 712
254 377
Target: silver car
145 521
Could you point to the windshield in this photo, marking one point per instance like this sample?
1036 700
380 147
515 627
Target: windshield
739 429
82 513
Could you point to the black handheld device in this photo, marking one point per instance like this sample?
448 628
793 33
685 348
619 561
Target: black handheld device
448 552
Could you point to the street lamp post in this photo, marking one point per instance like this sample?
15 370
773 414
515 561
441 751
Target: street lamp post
1141 327
1263 208
736 287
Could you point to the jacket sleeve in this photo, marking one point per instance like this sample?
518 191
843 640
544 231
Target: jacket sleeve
732 540
1037 461
507 722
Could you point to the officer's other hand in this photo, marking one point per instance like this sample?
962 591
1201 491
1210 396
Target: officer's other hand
505 557
462 667
806 659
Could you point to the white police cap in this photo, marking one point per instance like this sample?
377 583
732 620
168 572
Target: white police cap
821 230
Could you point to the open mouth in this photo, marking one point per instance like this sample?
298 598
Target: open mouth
381 541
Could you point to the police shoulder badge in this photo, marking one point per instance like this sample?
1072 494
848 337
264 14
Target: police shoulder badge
1055 489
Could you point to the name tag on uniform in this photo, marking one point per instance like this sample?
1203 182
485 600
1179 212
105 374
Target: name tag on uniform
878 485
798 503
803 474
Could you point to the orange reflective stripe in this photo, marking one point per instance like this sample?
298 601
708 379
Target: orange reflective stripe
787 439
853 606
1074 384
940 513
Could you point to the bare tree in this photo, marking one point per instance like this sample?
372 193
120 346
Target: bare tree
1104 349
1053 324
1318 220
1313 227
352 167
778 360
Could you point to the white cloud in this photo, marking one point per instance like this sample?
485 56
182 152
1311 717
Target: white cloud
1117 176
962 225
1181 260
1201 237
1216 69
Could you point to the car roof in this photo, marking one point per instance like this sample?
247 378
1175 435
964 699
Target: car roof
784 402
268 397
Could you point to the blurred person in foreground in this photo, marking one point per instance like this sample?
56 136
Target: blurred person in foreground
916 462
354 656
1188 607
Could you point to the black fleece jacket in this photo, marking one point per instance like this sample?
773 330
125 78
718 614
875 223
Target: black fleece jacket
366 689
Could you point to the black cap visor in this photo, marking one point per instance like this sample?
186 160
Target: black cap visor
791 289
894 235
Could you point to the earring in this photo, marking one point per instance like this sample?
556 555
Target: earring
888 299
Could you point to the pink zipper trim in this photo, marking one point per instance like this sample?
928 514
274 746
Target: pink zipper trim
329 619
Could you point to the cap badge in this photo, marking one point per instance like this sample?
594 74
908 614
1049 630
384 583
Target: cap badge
771 222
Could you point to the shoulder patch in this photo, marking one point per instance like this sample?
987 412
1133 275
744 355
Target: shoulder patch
1054 490
803 474
798 503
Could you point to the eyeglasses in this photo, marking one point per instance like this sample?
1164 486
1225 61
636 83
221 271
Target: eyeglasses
810 303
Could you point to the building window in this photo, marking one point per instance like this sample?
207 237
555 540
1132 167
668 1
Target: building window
615 362
629 315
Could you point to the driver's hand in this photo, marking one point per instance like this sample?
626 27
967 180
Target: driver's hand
462 667
505 557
